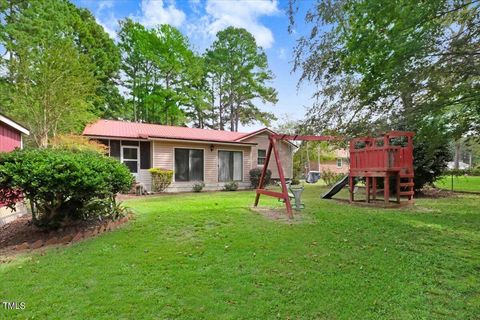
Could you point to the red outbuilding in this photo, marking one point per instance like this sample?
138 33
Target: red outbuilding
10 134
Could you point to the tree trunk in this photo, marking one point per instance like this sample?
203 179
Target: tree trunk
457 154
232 117
220 105
134 87
308 158
237 119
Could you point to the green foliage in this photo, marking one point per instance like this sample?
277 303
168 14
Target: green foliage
376 59
198 186
238 74
380 63
61 68
462 172
295 182
164 76
331 177
161 179
313 151
430 152
63 184
52 91
77 143
255 175
230 186
165 81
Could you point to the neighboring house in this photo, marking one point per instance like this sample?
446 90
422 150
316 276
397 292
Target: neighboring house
339 165
211 156
10 134
10 139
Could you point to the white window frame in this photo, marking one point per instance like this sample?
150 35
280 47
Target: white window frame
341 162
243 164
264 158
127 159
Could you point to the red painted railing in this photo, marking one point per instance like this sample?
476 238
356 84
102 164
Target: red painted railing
367 154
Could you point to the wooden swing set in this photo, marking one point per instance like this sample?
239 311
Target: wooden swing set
273 146
371 158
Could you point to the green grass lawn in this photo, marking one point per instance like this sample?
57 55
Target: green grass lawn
208 256
461 183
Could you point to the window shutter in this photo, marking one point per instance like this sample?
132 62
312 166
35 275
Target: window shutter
115 149
145 157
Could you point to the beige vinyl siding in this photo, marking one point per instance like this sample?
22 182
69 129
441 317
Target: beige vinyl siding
163 157
285 152
145 177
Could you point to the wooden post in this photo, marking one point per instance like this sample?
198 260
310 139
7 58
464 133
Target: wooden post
386 188
282 178
398 186
264 171
374 187
368 189
351 188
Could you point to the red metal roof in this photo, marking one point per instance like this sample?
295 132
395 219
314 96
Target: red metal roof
135 130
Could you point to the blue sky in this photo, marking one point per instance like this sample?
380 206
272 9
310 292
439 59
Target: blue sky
201 19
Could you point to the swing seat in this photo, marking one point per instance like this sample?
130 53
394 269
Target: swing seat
298 204
290 194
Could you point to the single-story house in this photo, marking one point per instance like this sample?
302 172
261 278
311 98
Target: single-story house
213 157
11 134
10 139
338 164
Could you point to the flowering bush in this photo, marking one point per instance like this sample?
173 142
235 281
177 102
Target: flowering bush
9 197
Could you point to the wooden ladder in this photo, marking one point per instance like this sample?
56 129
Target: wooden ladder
406 181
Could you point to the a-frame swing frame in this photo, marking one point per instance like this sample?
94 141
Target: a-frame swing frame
274 138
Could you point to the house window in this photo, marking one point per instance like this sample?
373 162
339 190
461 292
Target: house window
130 156
262 154
188 165
339 162
230 166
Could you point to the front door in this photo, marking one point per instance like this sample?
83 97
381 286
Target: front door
131 158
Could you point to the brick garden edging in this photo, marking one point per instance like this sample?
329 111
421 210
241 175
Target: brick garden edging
80 235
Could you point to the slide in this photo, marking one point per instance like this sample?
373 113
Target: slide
336 188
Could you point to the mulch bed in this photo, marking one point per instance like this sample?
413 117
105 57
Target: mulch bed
21 234
428 192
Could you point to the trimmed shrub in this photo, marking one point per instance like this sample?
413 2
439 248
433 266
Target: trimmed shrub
330 177
295 182
255 175
161 179
198 186
61 184
230 186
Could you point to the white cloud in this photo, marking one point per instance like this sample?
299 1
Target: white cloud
105 4
195 5
109 24
155 12
282 54
221 14
106 18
